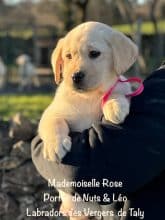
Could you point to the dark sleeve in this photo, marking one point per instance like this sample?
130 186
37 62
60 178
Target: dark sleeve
133 152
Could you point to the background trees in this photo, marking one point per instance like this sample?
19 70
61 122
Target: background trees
62 15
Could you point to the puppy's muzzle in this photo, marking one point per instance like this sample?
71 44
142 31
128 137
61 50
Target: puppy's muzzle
77 79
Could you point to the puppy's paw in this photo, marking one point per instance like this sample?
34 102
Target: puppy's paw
59 147
116 110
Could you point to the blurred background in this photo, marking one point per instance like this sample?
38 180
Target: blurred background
29 30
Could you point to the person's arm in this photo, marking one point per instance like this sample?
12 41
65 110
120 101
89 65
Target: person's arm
132 153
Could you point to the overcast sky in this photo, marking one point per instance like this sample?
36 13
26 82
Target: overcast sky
11 2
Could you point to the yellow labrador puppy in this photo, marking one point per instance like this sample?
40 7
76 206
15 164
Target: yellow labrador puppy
86 63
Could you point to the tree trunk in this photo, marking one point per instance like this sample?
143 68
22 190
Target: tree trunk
82 5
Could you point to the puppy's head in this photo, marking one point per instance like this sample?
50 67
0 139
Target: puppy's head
91 56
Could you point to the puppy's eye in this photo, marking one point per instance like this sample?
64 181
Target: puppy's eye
69 56
94 54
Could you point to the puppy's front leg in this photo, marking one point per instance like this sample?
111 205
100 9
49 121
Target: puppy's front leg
116 108
54 133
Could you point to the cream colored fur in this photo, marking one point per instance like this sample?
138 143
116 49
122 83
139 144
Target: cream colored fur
78 110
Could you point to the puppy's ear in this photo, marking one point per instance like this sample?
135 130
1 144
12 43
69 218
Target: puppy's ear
125 52
56 61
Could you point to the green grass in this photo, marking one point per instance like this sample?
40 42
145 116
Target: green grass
147 27
31 106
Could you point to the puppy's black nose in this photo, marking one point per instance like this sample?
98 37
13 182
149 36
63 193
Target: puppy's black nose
78 77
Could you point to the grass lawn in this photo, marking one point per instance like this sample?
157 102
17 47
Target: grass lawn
29 105
147 27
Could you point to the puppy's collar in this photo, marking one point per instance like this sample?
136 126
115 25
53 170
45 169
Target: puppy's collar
137 92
